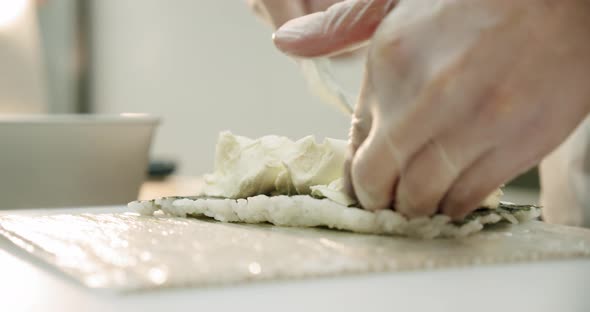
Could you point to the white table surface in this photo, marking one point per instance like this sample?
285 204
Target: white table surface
28 285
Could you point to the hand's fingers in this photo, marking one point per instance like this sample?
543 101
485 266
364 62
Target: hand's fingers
476 183
524 145
344 25
374 171
433 170
430 106
459 141
424 182
277 12
495 168
432 132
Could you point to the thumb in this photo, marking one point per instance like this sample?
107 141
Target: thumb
342 27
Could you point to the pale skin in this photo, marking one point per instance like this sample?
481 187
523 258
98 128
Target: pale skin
460 96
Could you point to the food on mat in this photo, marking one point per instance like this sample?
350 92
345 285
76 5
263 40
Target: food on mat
299 183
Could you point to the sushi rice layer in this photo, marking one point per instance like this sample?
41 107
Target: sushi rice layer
307 211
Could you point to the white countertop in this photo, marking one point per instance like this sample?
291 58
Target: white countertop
28 285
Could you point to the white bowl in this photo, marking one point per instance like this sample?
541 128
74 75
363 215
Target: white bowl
73 160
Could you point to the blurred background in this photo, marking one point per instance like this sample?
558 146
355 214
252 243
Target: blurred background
203 66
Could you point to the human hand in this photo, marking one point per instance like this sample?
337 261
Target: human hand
346 25
460 97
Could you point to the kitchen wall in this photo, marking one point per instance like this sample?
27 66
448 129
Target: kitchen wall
204 66
58 30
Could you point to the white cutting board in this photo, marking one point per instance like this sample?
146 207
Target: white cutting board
127 252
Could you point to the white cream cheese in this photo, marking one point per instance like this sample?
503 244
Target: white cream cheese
273 165
276 165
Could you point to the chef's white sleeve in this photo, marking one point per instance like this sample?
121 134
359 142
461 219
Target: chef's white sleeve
565 180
